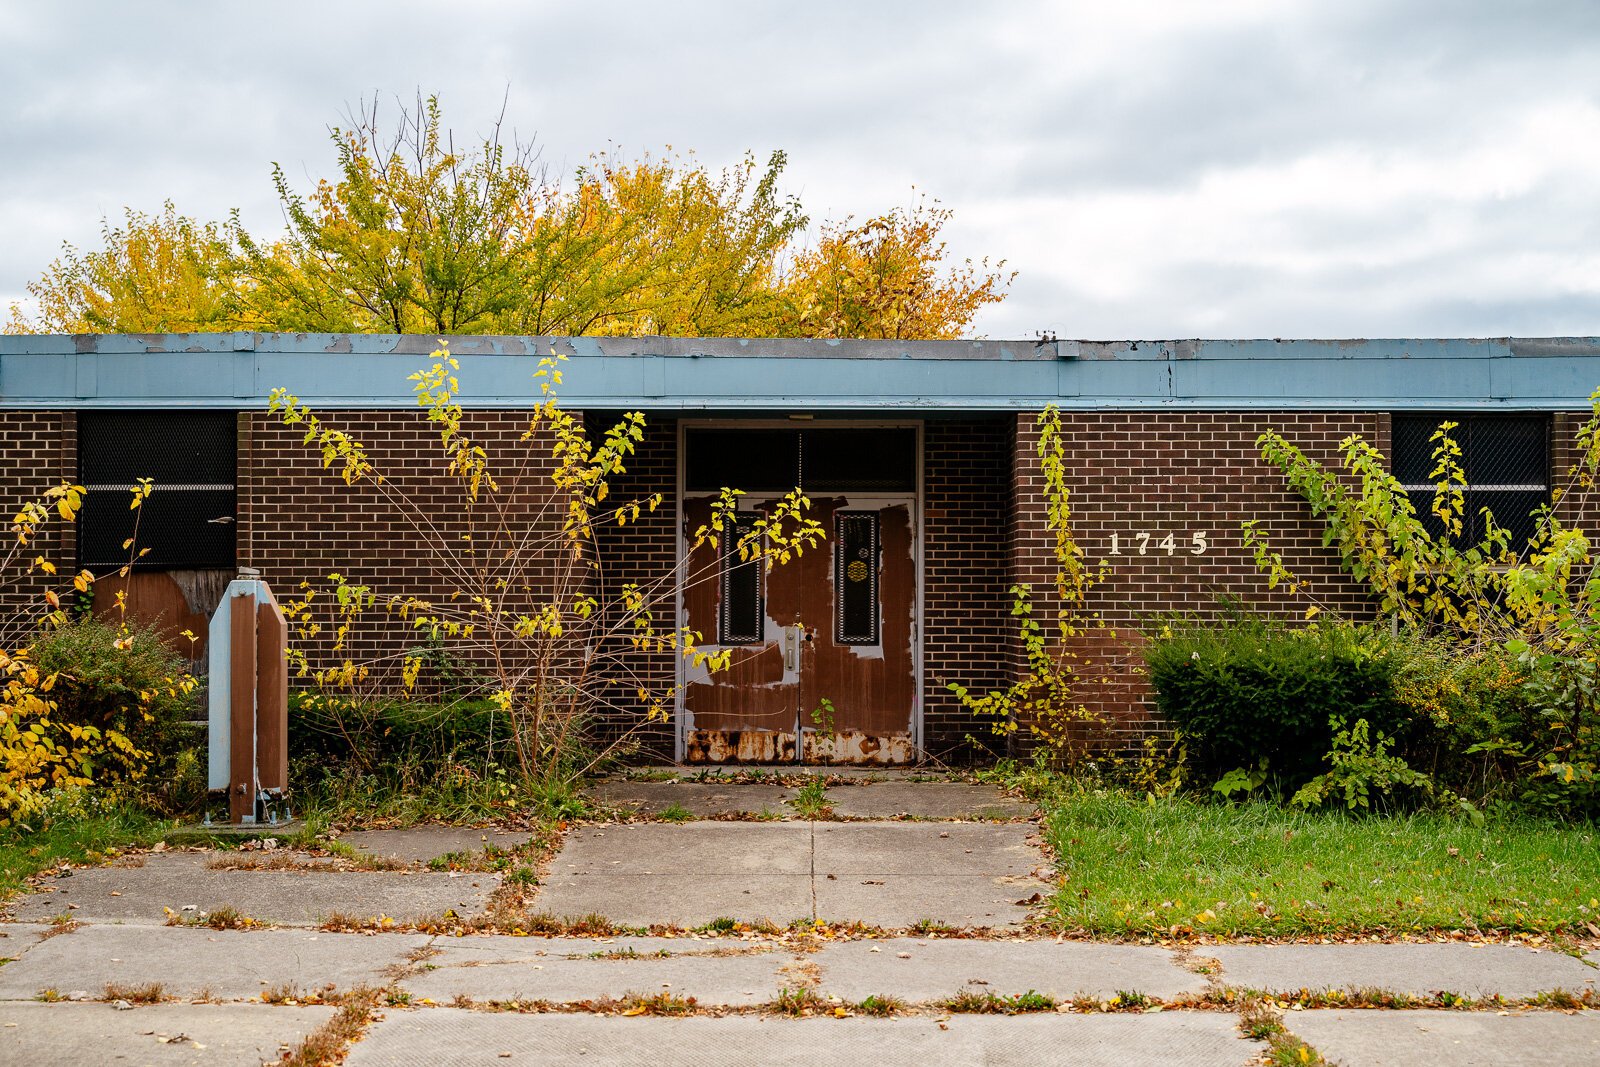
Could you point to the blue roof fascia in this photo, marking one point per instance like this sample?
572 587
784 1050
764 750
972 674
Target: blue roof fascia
234 371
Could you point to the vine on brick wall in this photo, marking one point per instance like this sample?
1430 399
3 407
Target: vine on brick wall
1538 602
1047 702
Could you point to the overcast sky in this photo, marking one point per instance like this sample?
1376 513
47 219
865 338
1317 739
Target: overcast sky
1210 168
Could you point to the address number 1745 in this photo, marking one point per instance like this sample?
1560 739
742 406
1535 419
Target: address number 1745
1144 542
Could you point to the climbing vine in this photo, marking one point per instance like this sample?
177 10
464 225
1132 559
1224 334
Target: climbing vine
1047 701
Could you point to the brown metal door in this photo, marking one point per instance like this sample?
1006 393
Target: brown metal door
822 647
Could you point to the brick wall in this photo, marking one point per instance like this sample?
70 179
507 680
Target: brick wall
645 552
38 450
1144 476
966 622
298 522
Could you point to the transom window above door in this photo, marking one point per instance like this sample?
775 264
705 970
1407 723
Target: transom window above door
823 459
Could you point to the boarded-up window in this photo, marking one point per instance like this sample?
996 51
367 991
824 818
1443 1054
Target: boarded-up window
741 616
188 520
1507 463
827 459
855 577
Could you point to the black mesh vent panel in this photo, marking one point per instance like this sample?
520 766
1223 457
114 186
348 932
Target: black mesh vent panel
1507 463
188 520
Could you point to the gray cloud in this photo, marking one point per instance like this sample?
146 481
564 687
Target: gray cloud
1232 168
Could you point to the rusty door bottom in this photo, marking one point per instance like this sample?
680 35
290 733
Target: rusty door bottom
850 747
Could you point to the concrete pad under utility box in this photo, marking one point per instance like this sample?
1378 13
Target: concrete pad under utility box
445 1037
925 800
138 894
735 980
1356 1038
923 971
699 798
419 844
226 964
1474 970
158 1035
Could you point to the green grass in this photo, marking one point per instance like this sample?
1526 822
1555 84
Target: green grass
25 852
1131 866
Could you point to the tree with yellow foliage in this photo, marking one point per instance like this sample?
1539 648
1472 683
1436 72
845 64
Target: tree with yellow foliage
417 235
888 278
155 274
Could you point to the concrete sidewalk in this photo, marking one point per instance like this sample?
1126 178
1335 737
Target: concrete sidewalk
245 996
444 1000
894 874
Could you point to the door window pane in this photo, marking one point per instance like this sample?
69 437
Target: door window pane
855 577
741 614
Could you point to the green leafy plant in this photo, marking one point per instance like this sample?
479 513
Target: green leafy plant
1360 764
811 799
1249 690
1539 603
1241 780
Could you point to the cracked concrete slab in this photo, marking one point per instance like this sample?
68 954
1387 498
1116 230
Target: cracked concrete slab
925 800
137 894
1474 970
17 938
419 844
701 799
923 971
688 874
686 900
899 874
706 848
444 1037
71 1035
903 901
995 851
739 981
1357 1038
890 874
227 964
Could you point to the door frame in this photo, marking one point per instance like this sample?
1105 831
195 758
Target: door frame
680 724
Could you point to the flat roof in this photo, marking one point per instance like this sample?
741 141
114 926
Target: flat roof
240 370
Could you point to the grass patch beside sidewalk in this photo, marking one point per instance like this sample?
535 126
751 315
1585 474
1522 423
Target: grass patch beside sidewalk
1134 866
25 852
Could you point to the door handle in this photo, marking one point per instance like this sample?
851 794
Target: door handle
791 648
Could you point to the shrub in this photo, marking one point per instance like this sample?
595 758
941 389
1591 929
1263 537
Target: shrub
118 679
330 729
1251 689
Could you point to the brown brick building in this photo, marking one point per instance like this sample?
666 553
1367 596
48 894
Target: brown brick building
920 460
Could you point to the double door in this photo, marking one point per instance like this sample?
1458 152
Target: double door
822 649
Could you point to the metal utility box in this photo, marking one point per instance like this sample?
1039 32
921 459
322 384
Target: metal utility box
249 702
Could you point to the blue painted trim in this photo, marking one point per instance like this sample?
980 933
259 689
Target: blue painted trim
238 371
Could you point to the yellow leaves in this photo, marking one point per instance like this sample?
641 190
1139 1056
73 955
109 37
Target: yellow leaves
45 565
141 492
